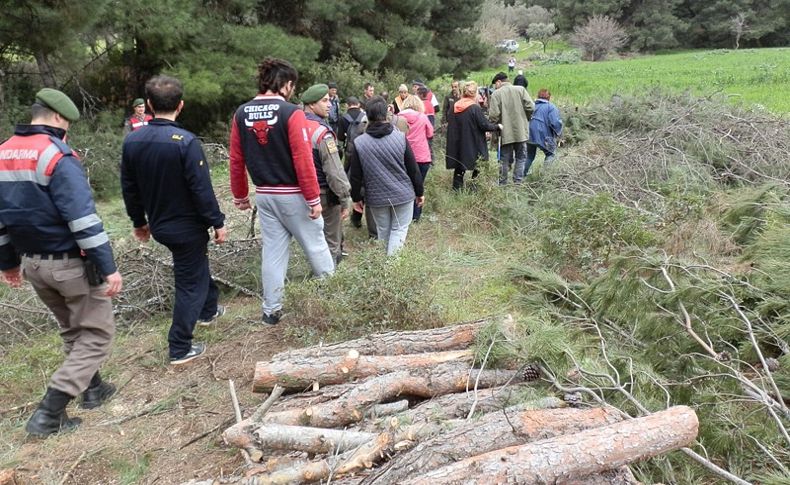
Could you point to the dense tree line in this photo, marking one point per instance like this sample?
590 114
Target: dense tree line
663 24
104 50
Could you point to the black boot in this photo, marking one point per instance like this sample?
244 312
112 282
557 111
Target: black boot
97 392
51 417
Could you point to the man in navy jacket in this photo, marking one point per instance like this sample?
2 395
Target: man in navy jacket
168 194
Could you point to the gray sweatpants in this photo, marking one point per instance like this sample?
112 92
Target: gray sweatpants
282 217
392 223
84 315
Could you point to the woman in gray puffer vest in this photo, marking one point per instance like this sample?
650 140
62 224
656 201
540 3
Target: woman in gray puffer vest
381 162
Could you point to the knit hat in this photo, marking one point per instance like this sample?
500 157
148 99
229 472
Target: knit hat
314 93
352 100
418 82
500 76
138 102
58 102
331 85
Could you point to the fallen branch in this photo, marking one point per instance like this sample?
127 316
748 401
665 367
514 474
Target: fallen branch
259 413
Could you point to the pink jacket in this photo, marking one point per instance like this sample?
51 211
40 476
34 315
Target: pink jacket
420 129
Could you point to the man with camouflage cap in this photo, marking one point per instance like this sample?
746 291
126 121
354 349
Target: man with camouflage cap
139 119
51 234
332 180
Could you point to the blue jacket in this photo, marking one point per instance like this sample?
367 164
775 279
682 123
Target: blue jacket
46 205
166 182
545 125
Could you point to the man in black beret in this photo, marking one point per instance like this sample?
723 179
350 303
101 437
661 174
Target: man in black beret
49 227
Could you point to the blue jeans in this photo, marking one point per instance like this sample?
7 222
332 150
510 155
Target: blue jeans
392 223
424 167
532 151
511 151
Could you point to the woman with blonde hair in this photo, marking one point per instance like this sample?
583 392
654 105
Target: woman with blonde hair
420 131
466 135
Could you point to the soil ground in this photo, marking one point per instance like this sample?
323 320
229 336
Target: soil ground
164 424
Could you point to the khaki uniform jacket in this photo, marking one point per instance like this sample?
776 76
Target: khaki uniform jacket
512 107
333 169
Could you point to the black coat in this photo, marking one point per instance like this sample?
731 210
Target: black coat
466 138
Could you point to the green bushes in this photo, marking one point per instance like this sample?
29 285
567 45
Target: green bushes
374 294
570 56
585 232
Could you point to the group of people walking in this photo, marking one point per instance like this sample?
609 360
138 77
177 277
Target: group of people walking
521 126
310 166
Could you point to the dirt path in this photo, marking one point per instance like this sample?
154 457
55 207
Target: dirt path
163 425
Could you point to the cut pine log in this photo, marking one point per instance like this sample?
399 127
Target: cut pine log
560 459
300 374
621 476
455 406
364 457
310 440
351 406
492 431
454 337
8 477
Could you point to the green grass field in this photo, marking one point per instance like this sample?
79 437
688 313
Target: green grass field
751 76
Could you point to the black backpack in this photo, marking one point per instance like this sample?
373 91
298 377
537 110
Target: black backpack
355 126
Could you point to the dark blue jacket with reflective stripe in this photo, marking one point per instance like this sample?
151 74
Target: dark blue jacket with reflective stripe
45 200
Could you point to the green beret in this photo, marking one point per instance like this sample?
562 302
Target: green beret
138 102
314 93
59 103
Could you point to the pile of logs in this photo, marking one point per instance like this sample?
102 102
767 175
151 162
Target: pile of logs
411 408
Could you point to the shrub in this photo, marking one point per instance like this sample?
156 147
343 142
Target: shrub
570 56
586 231
98 143
375 294
598 37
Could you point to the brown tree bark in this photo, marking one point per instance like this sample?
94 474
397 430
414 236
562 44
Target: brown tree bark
364 457
307 439
351 406
458 405
491 432
395 343
563 458
621 476
8 476
300 374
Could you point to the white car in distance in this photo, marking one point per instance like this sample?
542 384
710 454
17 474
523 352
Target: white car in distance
508 45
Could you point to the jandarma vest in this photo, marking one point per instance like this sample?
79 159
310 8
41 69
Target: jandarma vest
386 181
136 124
29 159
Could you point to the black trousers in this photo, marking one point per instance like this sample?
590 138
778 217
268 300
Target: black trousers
196 292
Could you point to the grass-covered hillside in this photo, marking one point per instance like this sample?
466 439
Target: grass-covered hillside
758 77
